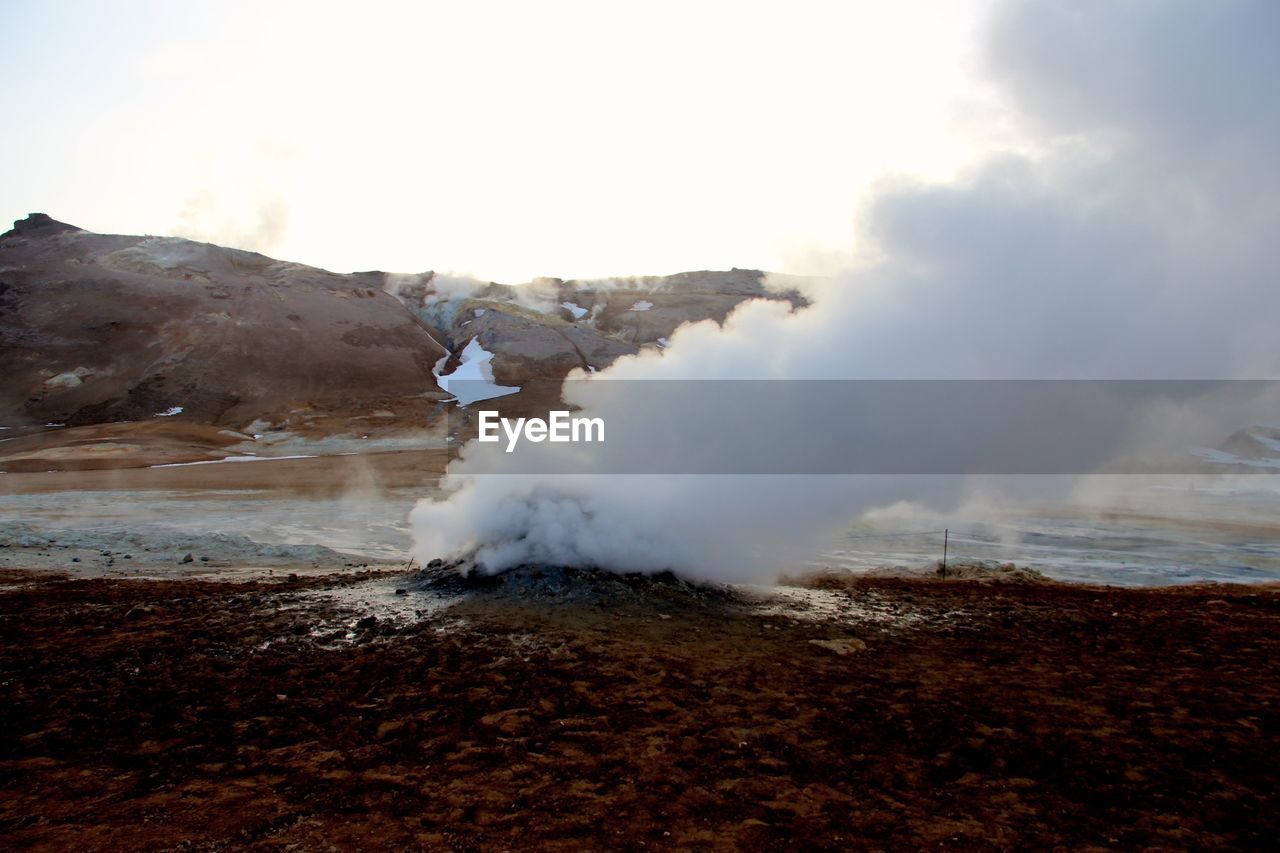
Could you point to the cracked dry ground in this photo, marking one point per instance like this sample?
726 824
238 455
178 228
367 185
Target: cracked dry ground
1015 715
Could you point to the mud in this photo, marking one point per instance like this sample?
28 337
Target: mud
206 715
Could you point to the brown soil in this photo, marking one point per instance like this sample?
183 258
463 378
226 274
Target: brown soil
187 714
322 475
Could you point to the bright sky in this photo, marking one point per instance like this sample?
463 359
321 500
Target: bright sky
504 140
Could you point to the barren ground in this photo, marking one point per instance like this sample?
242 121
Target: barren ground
205 715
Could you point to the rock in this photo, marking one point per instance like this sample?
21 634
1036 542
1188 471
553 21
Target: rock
368 623
187 559
140 611
37 224
845 646
509 722
986 570
402 591
390 727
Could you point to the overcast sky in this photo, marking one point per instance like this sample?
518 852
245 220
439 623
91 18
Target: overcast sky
501 140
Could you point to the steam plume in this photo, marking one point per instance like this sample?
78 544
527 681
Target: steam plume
1138 242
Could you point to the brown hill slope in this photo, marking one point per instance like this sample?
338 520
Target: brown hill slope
139 345
97 328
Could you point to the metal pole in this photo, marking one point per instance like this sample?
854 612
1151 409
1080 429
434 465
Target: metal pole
946 534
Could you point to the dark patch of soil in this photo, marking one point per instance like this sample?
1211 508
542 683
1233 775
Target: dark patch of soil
567 585
165 714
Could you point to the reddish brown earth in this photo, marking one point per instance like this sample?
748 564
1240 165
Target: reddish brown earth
99 328
161 715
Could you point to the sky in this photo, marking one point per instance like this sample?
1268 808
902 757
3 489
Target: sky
500 140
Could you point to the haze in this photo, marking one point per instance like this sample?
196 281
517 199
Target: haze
501 140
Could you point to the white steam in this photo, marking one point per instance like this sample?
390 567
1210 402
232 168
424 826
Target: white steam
1139 242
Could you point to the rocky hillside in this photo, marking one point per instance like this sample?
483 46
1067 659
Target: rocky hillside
132 332
547 327
101 328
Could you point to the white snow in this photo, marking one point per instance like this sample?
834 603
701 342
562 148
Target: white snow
642 305
1270 443
1222 457
480 312
472 380
664 343
576 310
169 412
230 459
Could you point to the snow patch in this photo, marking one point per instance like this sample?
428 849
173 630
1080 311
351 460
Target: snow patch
1265 441
642 305
472 380
576 310
169 412
1222 457
230 459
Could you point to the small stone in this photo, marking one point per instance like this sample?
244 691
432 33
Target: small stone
402 592
188 559
848 645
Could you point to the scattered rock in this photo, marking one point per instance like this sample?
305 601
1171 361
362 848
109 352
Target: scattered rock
187 559
845 646
390 727
988 570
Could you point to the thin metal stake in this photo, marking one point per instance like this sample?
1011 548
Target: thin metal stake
946 534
